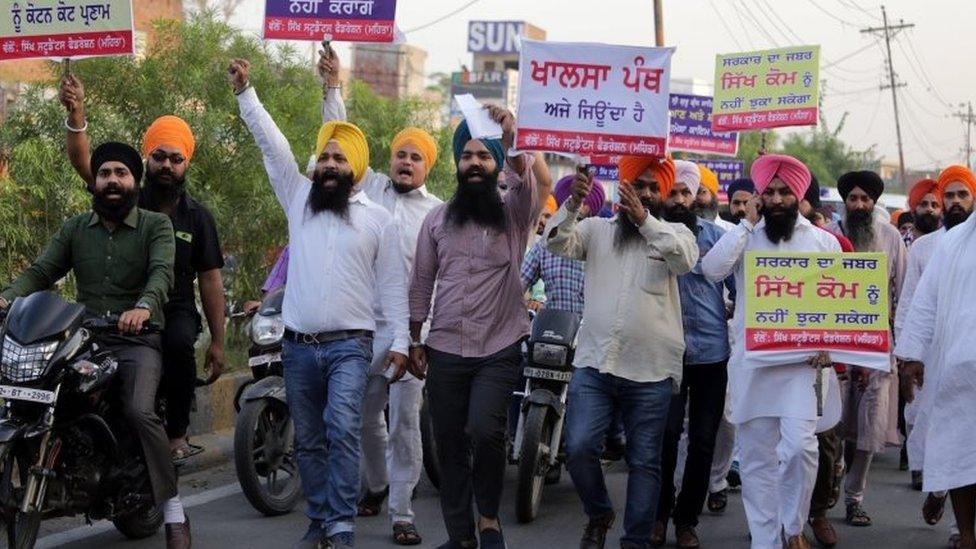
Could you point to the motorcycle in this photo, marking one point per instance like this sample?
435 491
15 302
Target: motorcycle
64 448
264 449
538 434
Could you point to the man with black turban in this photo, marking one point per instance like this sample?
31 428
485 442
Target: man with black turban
871 411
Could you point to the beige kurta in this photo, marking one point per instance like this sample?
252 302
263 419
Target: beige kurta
871 415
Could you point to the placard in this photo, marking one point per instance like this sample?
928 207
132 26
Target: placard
343 20
60 29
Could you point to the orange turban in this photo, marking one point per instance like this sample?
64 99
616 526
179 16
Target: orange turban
896 216
955 173
708 179
920 189
631 167
352 143
551 205
171 131
420 139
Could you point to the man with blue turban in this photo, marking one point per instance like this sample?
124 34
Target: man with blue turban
471 248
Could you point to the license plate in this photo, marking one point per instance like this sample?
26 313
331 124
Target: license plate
261 360
22 393
542 373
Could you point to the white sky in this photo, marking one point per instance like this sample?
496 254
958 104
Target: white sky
935 59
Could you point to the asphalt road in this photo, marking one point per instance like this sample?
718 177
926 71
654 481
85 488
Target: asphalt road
222 518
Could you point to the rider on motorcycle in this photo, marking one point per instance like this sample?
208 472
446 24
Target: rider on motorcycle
122 258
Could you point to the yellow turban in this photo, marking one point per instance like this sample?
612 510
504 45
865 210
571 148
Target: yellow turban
420 139
708 179
551 205
171 131
351 141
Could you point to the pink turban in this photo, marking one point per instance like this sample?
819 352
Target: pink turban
770 166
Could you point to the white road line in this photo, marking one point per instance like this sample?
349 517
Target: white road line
102 526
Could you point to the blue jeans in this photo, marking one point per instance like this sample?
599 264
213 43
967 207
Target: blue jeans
326 384
594 398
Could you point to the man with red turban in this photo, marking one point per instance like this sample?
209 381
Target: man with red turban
925 205
774 407
631 341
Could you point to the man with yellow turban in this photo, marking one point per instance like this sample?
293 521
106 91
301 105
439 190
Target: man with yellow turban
706 201
403 193
343 261
629 359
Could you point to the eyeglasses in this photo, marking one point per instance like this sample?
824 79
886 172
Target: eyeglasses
175 159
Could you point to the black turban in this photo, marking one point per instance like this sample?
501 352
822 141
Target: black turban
813 193
867 181
117 152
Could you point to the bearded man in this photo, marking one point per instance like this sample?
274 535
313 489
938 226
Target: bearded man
925 205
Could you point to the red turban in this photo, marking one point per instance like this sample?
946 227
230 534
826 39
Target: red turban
955 173
920 189
631 167
770 166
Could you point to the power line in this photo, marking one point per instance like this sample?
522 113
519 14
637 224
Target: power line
757 24
779 27
832 16
846 57
443 17
853 5
725 24
919 68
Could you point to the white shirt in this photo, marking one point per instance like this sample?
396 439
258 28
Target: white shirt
918 257
336 267
632 311
769 391
723 224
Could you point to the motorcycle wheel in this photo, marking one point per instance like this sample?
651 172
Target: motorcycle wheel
22 528
25 527
140 525
431 465
263 450
533 463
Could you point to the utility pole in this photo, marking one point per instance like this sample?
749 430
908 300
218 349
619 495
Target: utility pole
659 23
889 31
969 120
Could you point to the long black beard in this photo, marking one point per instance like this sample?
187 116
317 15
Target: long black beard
954 216
860 229
738 217
780 223
114 211
926 223
627 233
165 187
680 214
335 200
480 202
709 212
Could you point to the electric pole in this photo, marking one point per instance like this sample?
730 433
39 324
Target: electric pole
969 120
659 23
889 31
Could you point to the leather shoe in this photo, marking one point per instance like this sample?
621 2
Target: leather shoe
687 537
178 535
595 534
823 531
933 508
659 535
798 542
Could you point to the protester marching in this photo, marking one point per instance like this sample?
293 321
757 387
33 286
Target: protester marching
565 260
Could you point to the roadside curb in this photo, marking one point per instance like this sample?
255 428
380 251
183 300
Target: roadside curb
212 423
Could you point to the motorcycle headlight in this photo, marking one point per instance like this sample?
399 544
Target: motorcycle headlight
548 354
267 330
23 363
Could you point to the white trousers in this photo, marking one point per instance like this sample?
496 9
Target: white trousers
723 457
778 463
393 456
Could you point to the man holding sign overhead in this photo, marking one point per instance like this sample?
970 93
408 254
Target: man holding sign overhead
775 407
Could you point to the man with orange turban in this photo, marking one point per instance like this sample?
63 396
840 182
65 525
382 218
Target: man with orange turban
774 407
344 263
925 205
706 200
631 341
402 192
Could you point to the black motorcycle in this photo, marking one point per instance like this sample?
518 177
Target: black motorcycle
264 449
64 447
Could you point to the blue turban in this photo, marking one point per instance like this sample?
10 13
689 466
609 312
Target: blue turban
744 184
461 137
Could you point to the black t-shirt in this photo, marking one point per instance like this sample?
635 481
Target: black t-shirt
197 247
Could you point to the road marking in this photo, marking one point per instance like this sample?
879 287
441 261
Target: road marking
102 526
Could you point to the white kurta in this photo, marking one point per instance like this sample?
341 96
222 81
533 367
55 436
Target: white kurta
938 331
770 391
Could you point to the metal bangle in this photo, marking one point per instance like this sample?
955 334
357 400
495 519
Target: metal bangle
82 129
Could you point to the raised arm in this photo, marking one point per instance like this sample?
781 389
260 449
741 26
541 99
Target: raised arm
72 96
286 179
563 235
333 108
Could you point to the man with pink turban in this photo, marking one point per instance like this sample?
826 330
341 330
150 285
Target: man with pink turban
774 406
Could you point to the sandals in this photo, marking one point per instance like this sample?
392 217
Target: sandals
185 452
857 516
718 501
372 503
405 533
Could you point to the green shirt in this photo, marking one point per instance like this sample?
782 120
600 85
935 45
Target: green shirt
114 270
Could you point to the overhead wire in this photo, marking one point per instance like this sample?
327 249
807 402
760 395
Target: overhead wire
725 24
443 17
849 4
919 68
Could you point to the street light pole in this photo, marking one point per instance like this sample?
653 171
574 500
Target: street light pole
659 23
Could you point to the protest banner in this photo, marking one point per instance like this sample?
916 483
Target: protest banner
727 172
593 98
61 29
801 303
767 89
691 127
343 20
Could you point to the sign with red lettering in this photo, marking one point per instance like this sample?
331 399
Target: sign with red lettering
59 29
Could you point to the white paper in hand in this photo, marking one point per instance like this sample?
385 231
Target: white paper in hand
479 121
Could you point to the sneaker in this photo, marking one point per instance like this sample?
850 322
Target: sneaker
595 533
342 539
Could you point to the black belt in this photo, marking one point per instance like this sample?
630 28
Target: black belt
324 337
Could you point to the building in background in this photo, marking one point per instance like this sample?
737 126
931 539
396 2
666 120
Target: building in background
495 45
395 71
